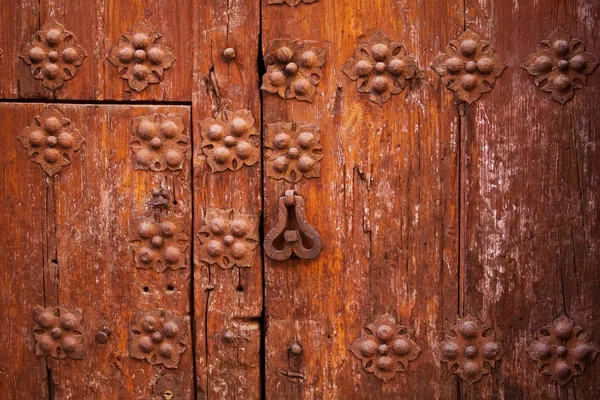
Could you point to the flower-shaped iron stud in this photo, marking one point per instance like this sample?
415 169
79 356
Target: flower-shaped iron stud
470 349
159 142
158 337
385 348
293 69
159 242
141 57
58 332
51 140
228 238
230 141
562 350
560 65
293 151
53 55
469 66
292 3
380 68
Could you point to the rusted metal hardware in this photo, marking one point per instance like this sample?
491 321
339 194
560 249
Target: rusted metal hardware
380 68
230 140
562 350
158 239
53 55
168 387
159 142
292 3
161 199
293 69
102 336
469 66
292 231
158 337
229 54
560 65
385 348
295 348
58 332
141 57
293 151
470 349
228 238
51 140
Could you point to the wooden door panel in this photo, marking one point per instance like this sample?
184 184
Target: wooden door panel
97 27
385 205
227 300
530 199
93 205
23 245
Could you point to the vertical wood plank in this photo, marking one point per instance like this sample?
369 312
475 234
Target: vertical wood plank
173 21
97 198
18 21
227 302
385 204
531 199
22 259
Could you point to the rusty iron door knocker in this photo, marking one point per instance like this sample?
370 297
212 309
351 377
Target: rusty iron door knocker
292 230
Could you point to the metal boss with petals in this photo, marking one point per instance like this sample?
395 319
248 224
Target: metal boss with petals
228 238
230 140
380 68
51 140
469 66
562 350
560 65
293 151
293 69
159 142
53 55
385 348
159 240
470 349
58 332
157 336
141 57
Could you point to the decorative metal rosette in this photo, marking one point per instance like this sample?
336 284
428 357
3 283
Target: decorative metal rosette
53 55
560 65
385 348
380 68
562 350
293 69
141 57
469 66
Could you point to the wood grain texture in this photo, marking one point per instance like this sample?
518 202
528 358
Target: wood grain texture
531 199
18 21
226 301
96 198
385 204
23 255
97 25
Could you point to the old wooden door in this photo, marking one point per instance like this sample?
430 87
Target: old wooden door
299 199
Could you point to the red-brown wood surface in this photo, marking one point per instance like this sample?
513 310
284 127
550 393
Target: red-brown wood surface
530 199
23 254
227 302
385 205
96 26
95 200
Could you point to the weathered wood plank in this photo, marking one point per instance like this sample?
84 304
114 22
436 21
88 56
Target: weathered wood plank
531 198
22 259
385 204
98 197
227 302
